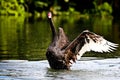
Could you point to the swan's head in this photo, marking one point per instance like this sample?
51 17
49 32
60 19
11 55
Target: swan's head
49 15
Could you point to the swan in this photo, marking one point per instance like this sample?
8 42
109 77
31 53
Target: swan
61 53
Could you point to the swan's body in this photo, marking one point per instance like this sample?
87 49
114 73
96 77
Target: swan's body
61 52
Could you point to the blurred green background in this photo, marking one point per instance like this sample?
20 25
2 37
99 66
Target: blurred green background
39 7
25 32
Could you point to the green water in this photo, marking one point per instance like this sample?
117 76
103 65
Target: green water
28 39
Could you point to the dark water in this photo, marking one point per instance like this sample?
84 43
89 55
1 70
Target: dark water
28 39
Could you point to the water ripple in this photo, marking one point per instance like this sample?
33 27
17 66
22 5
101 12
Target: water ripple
105 69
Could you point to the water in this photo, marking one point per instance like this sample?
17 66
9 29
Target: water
23 43
107 69
25 39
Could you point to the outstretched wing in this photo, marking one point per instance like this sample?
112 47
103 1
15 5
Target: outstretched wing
89 41
94 42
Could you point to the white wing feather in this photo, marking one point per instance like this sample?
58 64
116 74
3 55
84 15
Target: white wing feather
99 44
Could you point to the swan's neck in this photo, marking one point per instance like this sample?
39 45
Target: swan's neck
54 32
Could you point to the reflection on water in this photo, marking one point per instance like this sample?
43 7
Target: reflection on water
20 39
23 40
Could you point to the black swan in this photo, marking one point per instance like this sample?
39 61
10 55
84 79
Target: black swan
61 53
